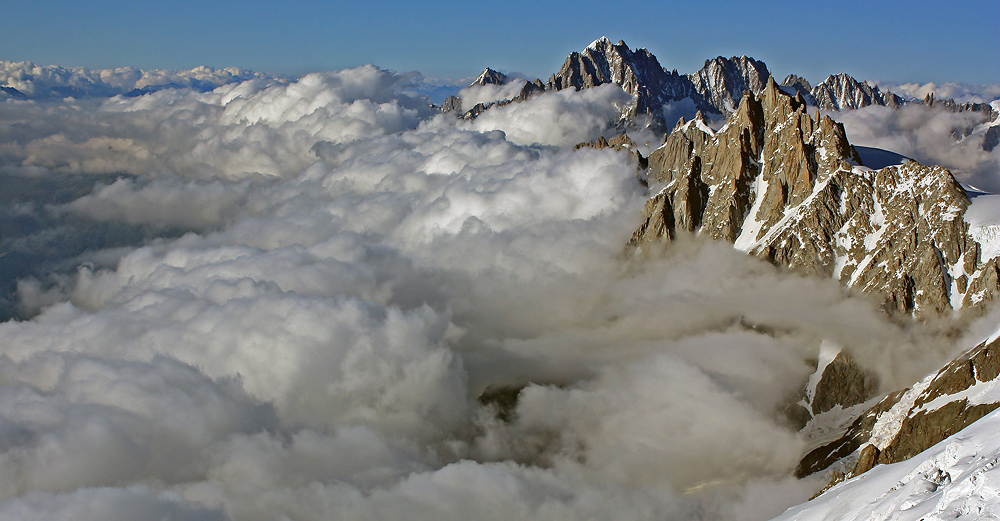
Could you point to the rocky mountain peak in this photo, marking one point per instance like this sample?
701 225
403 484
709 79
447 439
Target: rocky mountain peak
716 88
490 77
842 91
638 73
793 80
789 187
601 43
800 86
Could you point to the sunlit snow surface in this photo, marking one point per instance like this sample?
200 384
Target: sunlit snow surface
955 479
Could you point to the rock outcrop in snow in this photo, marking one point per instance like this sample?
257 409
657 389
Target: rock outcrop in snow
956 478
907 422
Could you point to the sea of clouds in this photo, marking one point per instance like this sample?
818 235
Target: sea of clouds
27 80
931 136
281 300
960 92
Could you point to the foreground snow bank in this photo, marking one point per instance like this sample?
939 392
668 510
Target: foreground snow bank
954 479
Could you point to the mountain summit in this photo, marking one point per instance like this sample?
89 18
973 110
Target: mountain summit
638 73
490 77
716 88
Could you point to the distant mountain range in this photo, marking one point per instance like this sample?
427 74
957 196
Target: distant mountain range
716 88
26 80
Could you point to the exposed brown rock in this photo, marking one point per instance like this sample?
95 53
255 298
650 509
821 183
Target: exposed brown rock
921 427
867 459
786 186
857 435
452 104
619 143
637 72
723 81
503 398
843 383
925 429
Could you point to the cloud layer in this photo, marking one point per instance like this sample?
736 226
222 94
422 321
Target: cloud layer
22 80
960 92
932 136
328 276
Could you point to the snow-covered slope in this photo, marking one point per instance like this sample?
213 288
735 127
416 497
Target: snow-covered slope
907 422
956 479
983 217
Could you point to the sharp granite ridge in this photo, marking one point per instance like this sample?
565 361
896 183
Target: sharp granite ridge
777 182
721 82
786 186
716 88
638 72
843 92
490 77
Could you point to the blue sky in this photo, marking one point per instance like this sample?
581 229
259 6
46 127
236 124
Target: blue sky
892 41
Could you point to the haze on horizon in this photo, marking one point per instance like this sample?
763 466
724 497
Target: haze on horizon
896 41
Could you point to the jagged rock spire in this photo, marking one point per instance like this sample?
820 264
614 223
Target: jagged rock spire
788 187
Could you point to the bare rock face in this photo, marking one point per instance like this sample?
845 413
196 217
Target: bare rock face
799 86
638 73
841 92
716 88
452 104
529 90
838 384
843 383
621 142
985 109
992 138
789 187
722 81
908 422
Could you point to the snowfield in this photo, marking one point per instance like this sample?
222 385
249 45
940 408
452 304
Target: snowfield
955 479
